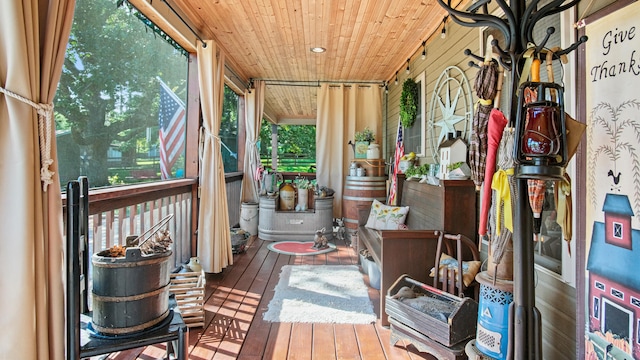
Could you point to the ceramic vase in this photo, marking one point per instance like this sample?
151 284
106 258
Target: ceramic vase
194 264
373 151
303 199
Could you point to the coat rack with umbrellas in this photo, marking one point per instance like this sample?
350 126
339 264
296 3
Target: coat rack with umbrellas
539 146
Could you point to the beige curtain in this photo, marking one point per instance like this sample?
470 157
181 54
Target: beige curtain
254 101
33 38
214 237
343 110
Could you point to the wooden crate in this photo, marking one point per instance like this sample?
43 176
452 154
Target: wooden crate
188 288
449 328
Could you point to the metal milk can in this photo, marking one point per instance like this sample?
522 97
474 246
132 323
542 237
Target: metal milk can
270 182
353 168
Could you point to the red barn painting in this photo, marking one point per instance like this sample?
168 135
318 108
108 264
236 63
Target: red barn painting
614 285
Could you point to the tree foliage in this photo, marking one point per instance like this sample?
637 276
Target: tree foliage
292 139
109 90
229 130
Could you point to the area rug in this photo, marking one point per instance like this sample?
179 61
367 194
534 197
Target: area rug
321 294
298 248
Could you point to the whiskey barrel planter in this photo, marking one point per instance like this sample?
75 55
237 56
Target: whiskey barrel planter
130 293
360 191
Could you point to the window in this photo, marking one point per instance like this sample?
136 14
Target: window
617 230
617 320
121 80
296 147
617 293
414 138
229 130
548 250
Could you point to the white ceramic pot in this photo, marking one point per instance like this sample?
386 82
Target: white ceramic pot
303 199
404 165
373 152
194 264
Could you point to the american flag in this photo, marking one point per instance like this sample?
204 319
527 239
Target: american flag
396 162
172 121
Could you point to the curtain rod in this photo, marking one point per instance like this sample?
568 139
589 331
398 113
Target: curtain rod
317 83
233 73
204 45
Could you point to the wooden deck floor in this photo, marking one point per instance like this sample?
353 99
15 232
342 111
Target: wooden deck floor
236 299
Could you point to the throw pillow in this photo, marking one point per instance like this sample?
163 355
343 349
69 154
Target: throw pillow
469 268
385 217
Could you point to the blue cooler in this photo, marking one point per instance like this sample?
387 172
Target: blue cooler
492 335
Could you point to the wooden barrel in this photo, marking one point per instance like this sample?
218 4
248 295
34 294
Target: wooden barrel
361 191
130 293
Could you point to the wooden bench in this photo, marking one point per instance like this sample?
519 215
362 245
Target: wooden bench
450 207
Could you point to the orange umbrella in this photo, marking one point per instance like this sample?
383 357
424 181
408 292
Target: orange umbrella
537 188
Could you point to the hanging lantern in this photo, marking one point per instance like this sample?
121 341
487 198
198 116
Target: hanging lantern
540 148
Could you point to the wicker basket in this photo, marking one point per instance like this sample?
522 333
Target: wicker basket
188 288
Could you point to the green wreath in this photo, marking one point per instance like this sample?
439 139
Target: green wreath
409 102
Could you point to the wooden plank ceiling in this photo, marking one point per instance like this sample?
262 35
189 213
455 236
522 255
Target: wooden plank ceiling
366 40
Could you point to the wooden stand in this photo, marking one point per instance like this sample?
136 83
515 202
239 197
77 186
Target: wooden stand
425 344
372 167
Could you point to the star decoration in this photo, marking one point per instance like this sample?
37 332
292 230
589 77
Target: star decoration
449 118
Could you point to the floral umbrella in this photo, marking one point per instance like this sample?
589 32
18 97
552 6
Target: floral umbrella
486 86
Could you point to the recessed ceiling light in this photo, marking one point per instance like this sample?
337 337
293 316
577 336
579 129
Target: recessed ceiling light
318 49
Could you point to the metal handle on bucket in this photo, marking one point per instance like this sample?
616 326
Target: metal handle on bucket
152 230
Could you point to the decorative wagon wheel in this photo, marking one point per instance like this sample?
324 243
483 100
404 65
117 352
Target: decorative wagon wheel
450 109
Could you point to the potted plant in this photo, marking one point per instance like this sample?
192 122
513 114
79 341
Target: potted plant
458 171
363 139
417 172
